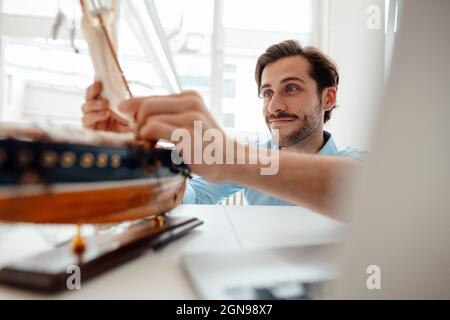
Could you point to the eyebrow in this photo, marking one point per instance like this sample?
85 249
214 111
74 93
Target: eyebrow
283 81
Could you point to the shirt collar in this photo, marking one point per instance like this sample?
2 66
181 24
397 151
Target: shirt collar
329 147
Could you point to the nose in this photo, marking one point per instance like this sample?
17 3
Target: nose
276 104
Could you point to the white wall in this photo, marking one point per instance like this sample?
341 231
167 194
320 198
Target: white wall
2 77
359 54
2 73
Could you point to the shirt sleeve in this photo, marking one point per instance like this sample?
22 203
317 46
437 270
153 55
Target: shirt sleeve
200 191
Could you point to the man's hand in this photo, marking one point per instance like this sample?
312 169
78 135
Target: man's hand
96 113
158 117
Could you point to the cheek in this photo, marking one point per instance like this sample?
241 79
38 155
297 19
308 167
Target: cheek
297 104
303 102
265 111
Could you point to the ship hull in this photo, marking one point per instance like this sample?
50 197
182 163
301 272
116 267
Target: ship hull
78 203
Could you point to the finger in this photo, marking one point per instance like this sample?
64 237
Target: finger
102 125
155 130
162 104
95 105
136 107
177 120
91 118
94 90
123 128
185 121
190 93
175 104
119 119
131 105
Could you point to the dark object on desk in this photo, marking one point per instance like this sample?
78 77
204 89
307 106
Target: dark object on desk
283 290
51 270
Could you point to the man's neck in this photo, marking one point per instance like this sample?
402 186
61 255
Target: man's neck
311 144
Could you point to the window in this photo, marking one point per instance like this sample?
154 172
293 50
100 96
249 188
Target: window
38 71
188 28
217 57
247 29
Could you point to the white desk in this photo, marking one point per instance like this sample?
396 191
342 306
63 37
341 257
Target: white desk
158 274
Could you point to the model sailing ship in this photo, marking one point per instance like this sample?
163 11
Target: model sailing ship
64 175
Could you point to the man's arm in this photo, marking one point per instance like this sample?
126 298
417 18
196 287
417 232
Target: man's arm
313 181
309 180
200 191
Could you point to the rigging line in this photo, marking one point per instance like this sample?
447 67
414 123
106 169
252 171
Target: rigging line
108 40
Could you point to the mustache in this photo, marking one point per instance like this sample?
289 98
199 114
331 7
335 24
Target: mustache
281 115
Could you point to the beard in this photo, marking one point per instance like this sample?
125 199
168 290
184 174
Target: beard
308 124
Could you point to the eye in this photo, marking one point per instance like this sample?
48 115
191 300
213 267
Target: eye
267 94
292 88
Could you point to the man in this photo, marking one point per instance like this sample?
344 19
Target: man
298 87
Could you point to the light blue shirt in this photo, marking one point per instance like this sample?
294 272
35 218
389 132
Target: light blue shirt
200 191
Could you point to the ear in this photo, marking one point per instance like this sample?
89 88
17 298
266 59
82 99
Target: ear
329 98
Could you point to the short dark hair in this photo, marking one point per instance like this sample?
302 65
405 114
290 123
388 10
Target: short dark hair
323 69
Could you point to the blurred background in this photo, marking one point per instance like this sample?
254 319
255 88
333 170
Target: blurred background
207 45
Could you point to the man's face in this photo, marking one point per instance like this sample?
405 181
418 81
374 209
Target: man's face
291 101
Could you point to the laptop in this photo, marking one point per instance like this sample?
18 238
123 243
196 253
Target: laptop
399 209
278 273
